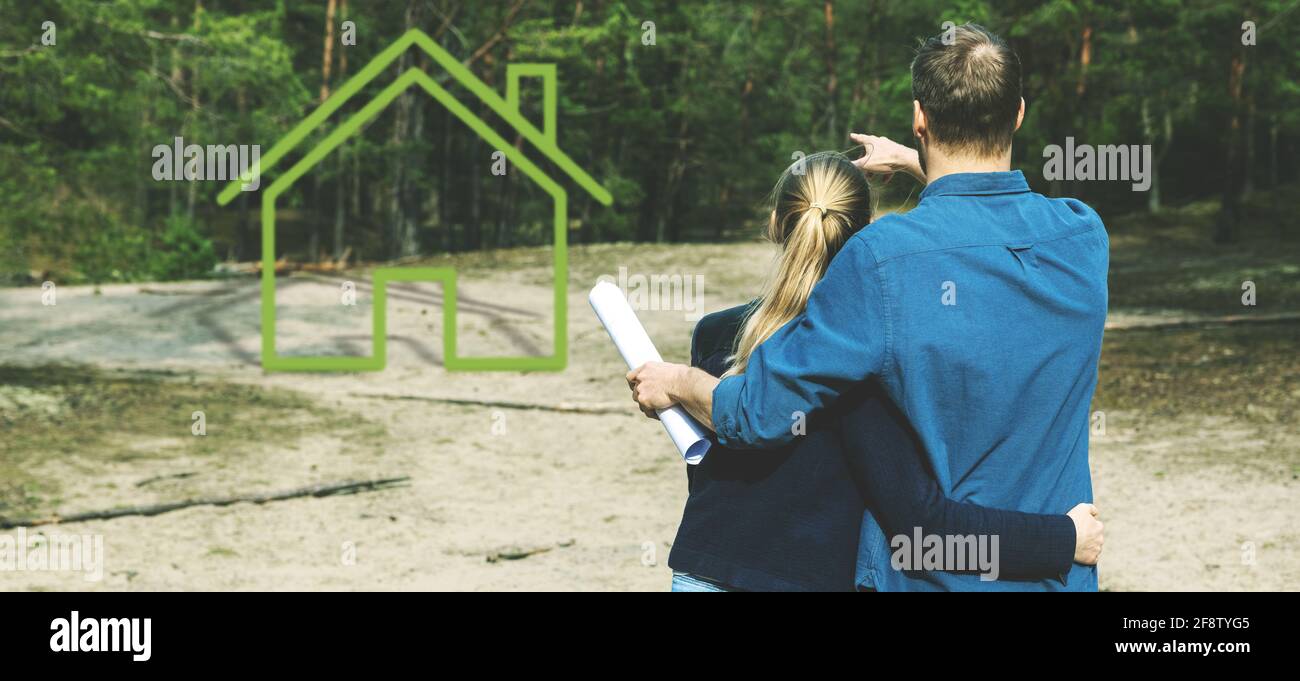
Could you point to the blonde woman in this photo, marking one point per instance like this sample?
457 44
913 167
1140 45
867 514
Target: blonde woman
788 518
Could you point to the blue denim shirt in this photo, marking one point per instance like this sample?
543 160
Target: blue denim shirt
981 313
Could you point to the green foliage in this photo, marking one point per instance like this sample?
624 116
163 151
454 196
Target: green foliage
120 252
181 252
687 133
111 252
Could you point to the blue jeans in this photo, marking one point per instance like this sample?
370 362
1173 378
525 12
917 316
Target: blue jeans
687 583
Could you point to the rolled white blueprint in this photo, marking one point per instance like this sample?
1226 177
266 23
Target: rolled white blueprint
635 346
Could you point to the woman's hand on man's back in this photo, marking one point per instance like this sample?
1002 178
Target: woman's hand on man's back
1088 535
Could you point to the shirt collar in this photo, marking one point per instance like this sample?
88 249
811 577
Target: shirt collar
958 184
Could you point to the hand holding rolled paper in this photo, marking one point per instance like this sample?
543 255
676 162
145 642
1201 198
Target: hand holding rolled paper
655 386
636 348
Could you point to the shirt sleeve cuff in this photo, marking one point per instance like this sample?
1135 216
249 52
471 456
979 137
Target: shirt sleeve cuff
726 397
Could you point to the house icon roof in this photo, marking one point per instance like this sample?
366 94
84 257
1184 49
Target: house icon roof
544 140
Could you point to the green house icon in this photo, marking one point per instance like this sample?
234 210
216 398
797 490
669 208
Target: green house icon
508 109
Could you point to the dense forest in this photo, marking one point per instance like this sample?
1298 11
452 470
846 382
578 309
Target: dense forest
685 111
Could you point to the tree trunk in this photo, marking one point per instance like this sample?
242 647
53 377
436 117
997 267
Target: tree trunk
1148 135
1248 164
192 199
246 243
1272 152
474 230
1230 210
832 125
340 161
396 212
873 101
444 183
318 182
175 78
402 230
1161 141
327 53
146 123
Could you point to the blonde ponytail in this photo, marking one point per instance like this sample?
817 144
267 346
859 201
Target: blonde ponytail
814 213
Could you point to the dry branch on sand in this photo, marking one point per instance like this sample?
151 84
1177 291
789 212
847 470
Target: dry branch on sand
518 553
562 407
322 490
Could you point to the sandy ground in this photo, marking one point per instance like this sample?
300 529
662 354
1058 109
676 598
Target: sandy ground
600 495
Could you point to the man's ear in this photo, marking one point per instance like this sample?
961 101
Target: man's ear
919 125
1020 115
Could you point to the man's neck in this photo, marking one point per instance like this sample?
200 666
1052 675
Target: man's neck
938 164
